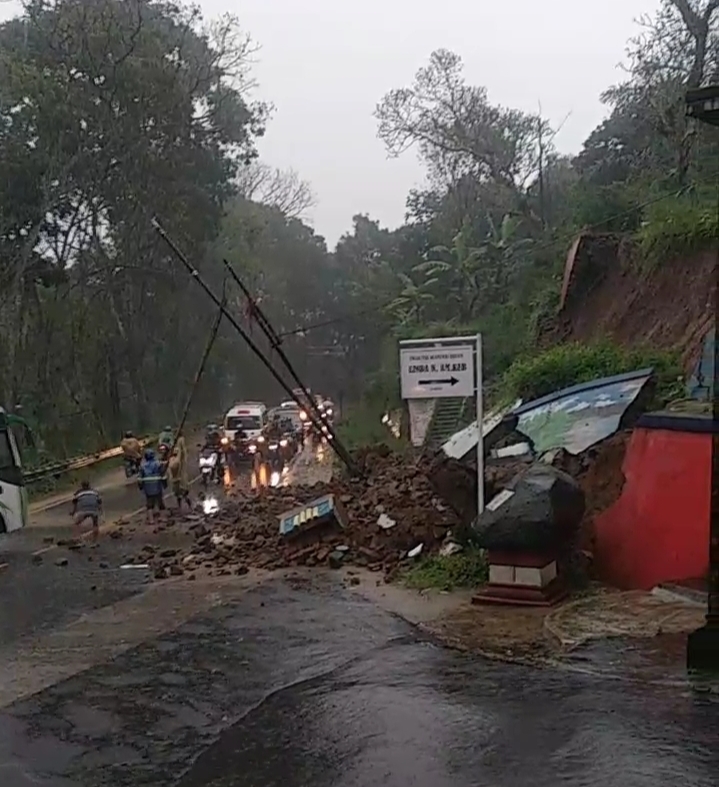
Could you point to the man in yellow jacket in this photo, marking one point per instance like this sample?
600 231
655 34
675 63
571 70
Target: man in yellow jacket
177 471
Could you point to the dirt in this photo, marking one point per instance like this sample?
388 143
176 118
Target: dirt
503 632
606 294
599 472
456 482
245 532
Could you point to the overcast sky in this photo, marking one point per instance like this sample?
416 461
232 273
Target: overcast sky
325 64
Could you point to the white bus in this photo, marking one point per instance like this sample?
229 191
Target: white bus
13 495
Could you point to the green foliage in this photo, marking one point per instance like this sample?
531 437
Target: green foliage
466 569
112 111
532 377
674 227
361 425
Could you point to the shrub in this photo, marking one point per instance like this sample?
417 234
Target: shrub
534 376
467 569
674 227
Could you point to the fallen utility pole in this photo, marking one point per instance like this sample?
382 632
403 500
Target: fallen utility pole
256 311
275 341
200 370
338 448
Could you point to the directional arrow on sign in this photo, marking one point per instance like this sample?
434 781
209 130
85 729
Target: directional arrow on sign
446 381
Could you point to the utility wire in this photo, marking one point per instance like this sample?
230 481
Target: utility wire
336 446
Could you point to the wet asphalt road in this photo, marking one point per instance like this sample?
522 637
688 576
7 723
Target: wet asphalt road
44 595
312 686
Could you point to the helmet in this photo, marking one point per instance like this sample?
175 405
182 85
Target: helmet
168 429
128 435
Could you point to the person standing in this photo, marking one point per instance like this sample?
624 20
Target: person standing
87 504
177 480
152 482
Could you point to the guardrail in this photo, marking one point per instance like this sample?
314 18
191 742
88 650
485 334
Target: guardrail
78 463
81 462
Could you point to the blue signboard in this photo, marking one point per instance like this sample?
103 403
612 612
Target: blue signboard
307 515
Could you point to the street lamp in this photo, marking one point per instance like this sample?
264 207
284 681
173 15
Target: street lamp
702 104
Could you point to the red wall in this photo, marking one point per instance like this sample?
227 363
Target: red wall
658 530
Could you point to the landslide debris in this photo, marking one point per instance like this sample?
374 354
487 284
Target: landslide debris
402 503
393 510
599 471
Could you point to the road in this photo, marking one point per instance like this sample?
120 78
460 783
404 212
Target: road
292 681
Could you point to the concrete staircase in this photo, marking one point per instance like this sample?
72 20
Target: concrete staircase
450 415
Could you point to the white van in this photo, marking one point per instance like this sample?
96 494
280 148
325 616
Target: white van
248 417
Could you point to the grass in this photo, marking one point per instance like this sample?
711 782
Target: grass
467 569
361 425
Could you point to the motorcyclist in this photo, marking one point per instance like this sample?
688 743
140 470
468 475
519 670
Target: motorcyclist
274 429
213 444
166 437
131 448
213 436
131 452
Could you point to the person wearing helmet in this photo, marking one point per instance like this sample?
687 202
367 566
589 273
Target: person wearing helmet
152 483
131 453
213 436
166 437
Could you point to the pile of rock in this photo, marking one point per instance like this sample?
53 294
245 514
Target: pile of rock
390 514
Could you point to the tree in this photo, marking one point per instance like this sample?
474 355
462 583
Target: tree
110 112
457 130
677 49
276 188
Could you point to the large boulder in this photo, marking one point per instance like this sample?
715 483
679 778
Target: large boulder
540 511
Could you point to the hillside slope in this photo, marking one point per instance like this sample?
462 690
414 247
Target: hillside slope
606 295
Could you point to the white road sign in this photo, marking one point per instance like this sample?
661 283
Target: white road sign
436 372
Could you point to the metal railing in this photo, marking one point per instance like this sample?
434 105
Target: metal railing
78 463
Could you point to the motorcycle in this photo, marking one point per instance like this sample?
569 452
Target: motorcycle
274 458
288 446
210 466
132 466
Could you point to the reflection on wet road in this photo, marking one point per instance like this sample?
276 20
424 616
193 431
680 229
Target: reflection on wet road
318 687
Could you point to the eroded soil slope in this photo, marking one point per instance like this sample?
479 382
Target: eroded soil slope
607 294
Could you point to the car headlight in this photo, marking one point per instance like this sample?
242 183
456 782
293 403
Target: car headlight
253 449
260 439
303 415
283 443
224 441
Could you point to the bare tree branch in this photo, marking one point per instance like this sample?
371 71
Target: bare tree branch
281 189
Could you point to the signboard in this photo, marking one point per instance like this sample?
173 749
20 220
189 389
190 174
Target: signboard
321 511
437 372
